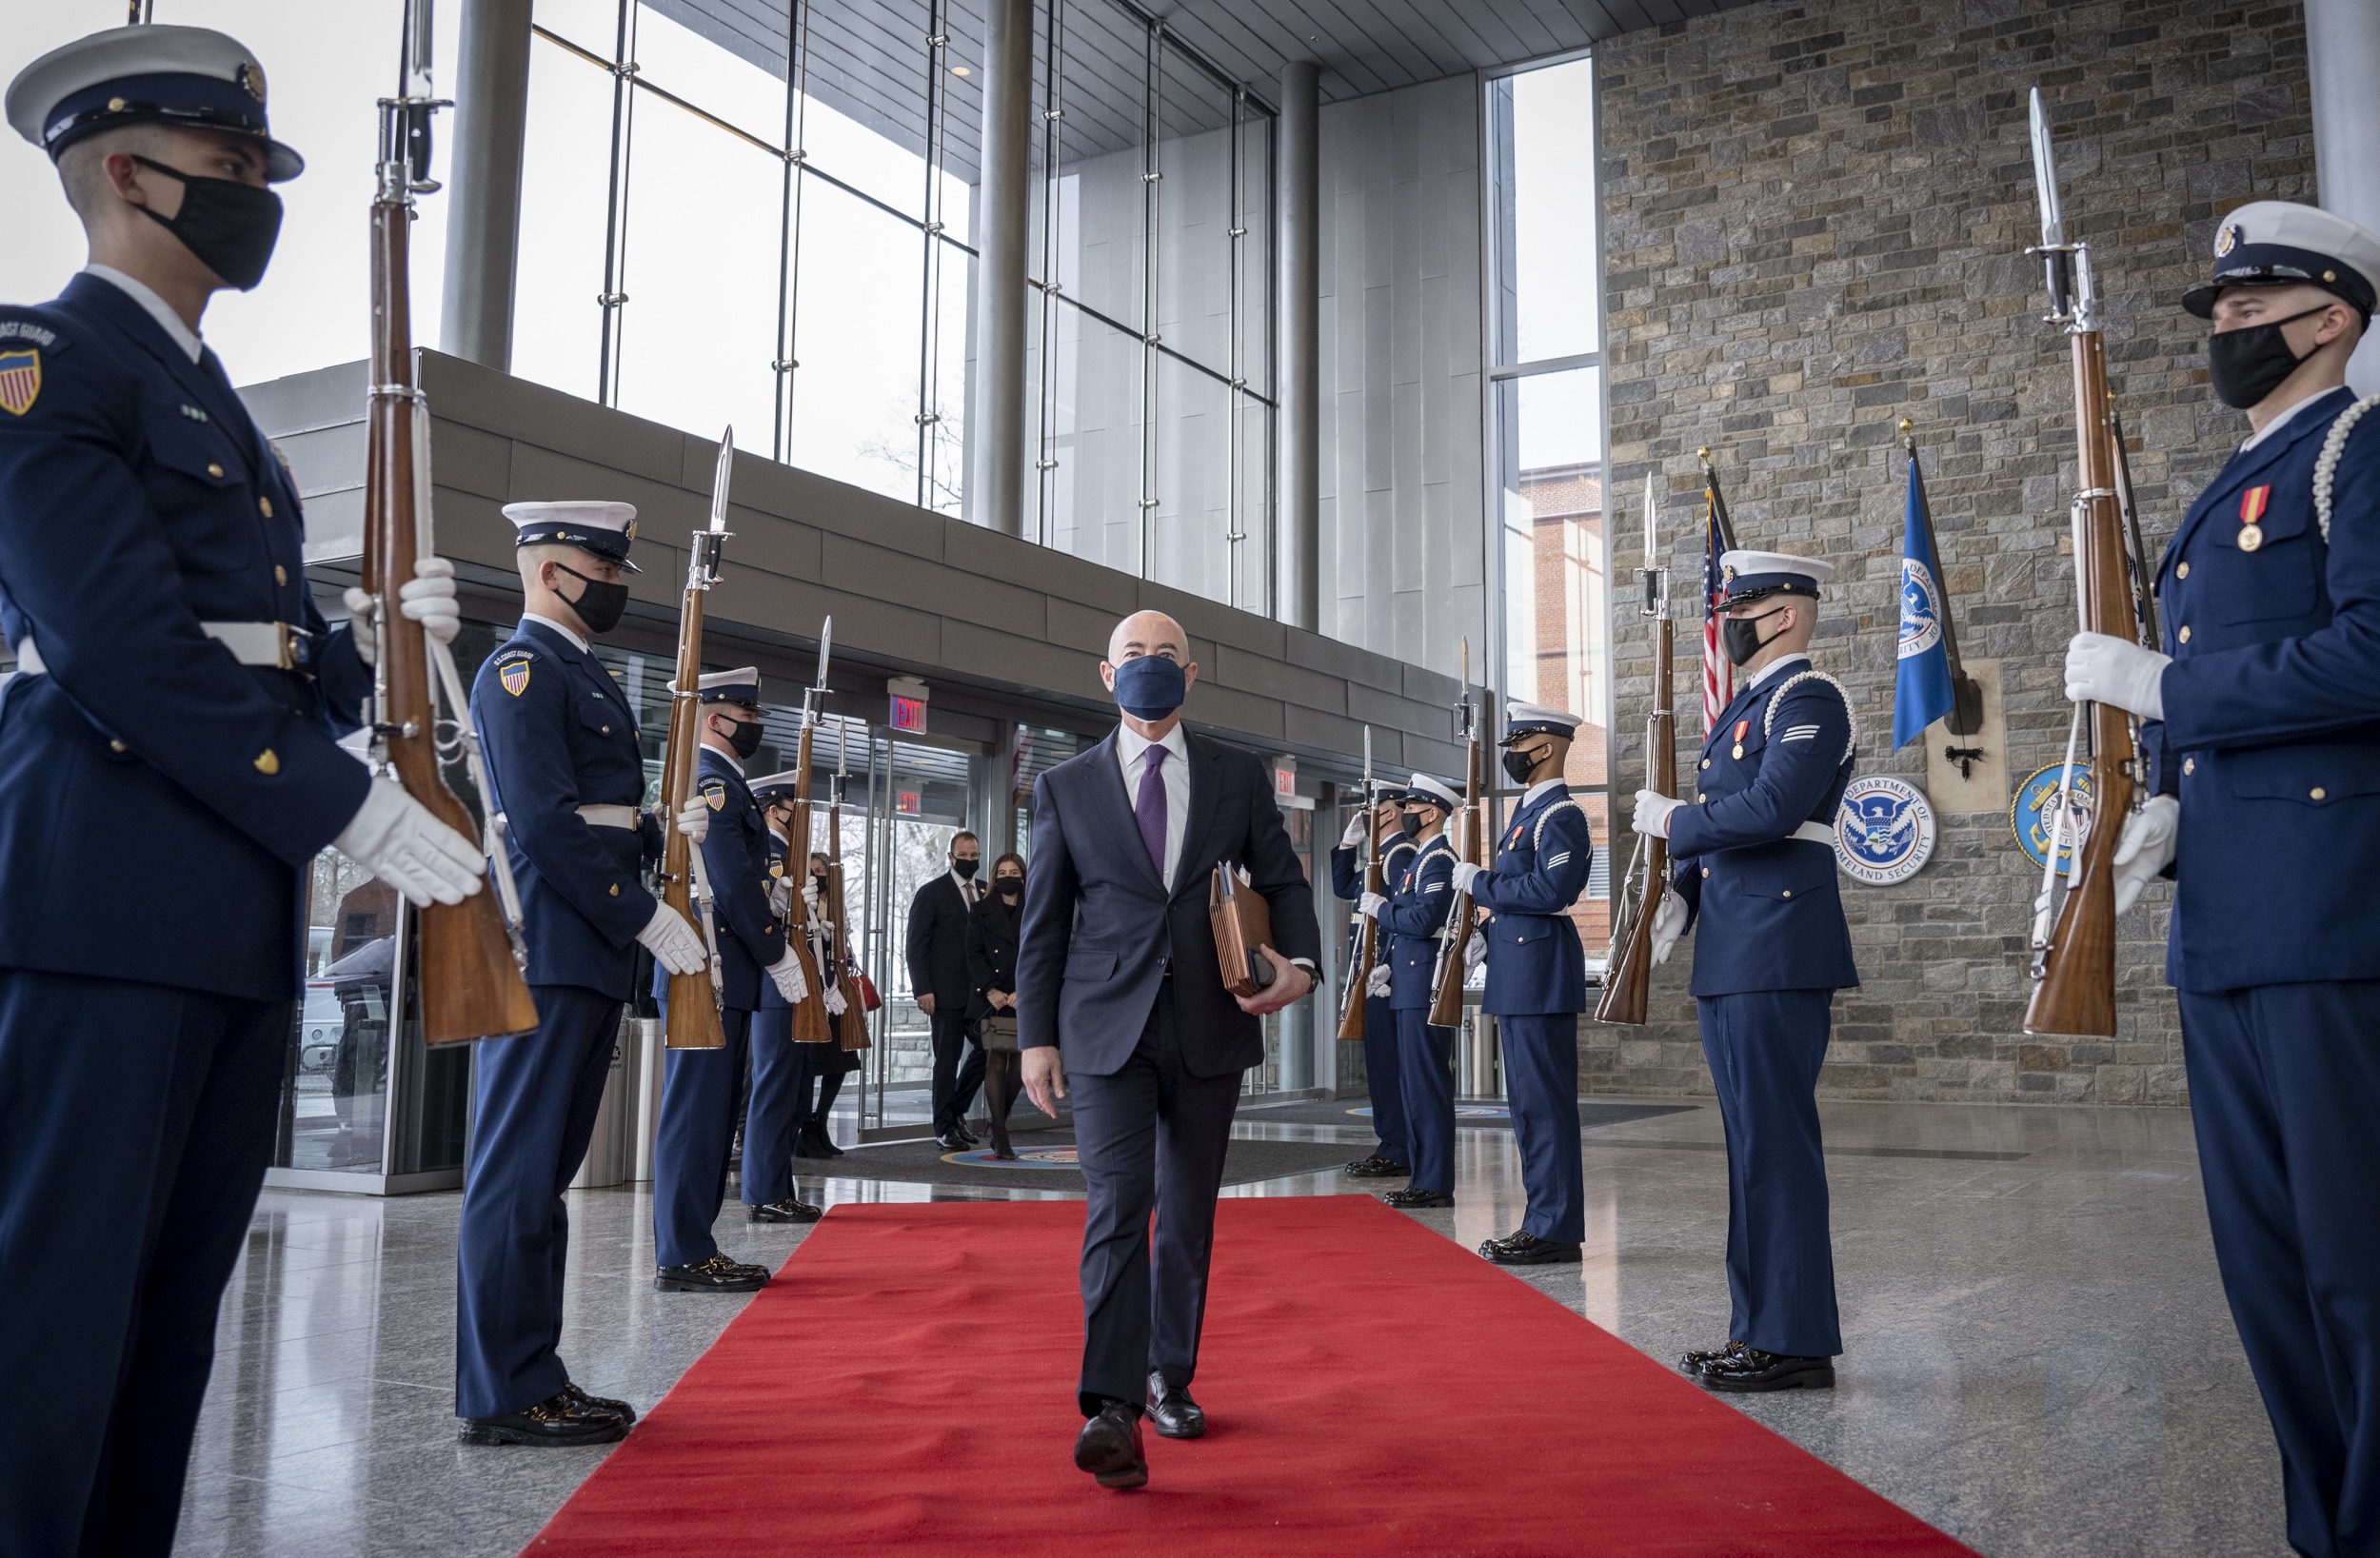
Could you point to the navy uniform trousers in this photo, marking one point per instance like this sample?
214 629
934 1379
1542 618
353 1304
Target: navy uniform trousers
1383 1079
698 1124
1151 1137
1765 1048
536 1099
1541 1081
783 1074
1425 1075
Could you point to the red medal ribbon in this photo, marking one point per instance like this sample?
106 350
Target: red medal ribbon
2252 504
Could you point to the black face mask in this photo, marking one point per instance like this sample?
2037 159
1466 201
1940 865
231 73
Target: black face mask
965 868
1740 636
600 606
1519 766
819 877
2251 363
744 740
1010 887
1410 822
231 227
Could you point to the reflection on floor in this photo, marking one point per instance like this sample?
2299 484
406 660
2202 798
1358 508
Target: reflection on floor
2040 1360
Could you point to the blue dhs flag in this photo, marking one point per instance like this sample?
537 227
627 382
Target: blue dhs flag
1921 684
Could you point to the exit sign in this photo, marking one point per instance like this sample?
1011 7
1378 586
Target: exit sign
908 803
908 714
1284 775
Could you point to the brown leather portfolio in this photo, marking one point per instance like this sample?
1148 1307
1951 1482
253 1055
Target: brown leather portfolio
1243 923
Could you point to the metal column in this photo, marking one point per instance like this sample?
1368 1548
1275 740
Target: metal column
484 221
996 493
2342 53
1297 222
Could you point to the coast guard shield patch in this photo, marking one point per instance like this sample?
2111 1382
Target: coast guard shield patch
514 677
20 380
715 792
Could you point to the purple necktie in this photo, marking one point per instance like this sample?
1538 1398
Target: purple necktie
1150 808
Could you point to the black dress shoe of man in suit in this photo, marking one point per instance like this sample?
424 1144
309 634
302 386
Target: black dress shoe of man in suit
1170 1407
560 1420
1749 1369
599 1403
1409 1199
1109 1447
791 1209
1376 1167
1528 1249
1694 1363
717 1274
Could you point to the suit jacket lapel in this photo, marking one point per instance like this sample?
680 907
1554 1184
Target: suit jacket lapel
1118 819
1206 777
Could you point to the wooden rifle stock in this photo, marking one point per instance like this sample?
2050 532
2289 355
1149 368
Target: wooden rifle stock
1367 942
470 981
809 1018
1462 916
694 1019
855 1035
1628 971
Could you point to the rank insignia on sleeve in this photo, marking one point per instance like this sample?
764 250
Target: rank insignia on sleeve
20 380
716 793
515 677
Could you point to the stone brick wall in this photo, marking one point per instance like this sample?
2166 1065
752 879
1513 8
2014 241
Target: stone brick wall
1815 218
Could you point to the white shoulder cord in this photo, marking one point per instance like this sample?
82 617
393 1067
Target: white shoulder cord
2327 465
1768 716
1536 839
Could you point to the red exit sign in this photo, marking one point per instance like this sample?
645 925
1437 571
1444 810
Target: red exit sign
908 803
908 714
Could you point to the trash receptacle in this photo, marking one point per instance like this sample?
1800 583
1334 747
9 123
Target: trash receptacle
611 1150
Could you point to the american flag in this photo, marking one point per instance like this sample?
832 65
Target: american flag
1718 677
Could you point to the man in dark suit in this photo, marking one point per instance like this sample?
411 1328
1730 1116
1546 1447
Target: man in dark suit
938 978
1119 991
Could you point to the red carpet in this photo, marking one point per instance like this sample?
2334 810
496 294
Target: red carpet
906 1385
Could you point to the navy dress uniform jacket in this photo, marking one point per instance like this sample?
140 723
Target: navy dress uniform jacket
2272 728
558 734
138 500
1536 963
736 856
1383 1077
1772 912
1414 919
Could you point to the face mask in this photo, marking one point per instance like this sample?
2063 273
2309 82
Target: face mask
1011 887
231 227
1410 822
1150 687
1740 636
746 738
599 605
2249 363
819 877
965 868
1519 766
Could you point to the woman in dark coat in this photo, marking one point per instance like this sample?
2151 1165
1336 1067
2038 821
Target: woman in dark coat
992 927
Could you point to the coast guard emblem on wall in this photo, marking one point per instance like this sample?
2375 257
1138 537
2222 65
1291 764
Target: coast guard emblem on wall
2032 815
1921 609
1884 831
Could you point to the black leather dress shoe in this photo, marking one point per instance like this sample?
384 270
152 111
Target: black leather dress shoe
1171 1411
1749 1369
791 1209
1409 1199
1528 1249
717 1274
1376 1167
599 1403
1109 1447
813 1141
560 1421
1694 1363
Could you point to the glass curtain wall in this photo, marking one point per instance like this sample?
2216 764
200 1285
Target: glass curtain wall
763 212
1548 419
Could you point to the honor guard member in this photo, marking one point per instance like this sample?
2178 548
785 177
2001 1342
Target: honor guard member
1412 922
2262 746
779 1107
562 760
1536 980
700 1086
1755 863
177 697
1393 1157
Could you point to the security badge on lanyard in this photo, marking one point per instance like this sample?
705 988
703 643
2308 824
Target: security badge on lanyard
1741 726
2252 506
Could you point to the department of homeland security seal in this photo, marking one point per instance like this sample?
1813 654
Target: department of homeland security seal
1921 609
2032 815
1884 833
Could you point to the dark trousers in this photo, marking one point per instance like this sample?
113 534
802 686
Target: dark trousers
1541 1084
536 1097
1765 1049
779 1106
2284 1090
954 1083
1149 1138
135 1124
1383 1078
1425 1067
1004 1076
698 1118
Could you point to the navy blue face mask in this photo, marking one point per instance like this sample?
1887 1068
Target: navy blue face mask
1150 687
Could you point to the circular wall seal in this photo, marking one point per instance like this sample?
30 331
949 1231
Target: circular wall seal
2030 816
1884 832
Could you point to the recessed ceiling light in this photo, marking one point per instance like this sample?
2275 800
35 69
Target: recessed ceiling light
960 70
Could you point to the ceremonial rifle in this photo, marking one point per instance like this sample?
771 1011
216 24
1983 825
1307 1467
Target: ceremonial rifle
2073 942
469 953
1461 916
2144 594
695 1000
1627 964
854 1021
809 1018
1364 951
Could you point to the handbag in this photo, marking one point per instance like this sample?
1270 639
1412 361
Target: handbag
869 999
1000 1032
1242 922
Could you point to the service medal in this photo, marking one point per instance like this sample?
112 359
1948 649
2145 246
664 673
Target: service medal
2252 507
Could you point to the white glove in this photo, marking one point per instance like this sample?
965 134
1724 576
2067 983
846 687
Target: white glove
786 974
1669 923
396 837
1356 827
2101 668
1474 951
2145 848
1466 873
833 999
1376 982
694 820
428 598
676 944
1651 815
1370 905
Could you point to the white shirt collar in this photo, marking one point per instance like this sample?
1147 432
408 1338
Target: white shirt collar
1774 668
1543 788
1133 746
2278 422
157 308
728 757
544 620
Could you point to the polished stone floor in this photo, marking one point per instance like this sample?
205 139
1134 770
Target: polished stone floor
2039 1359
